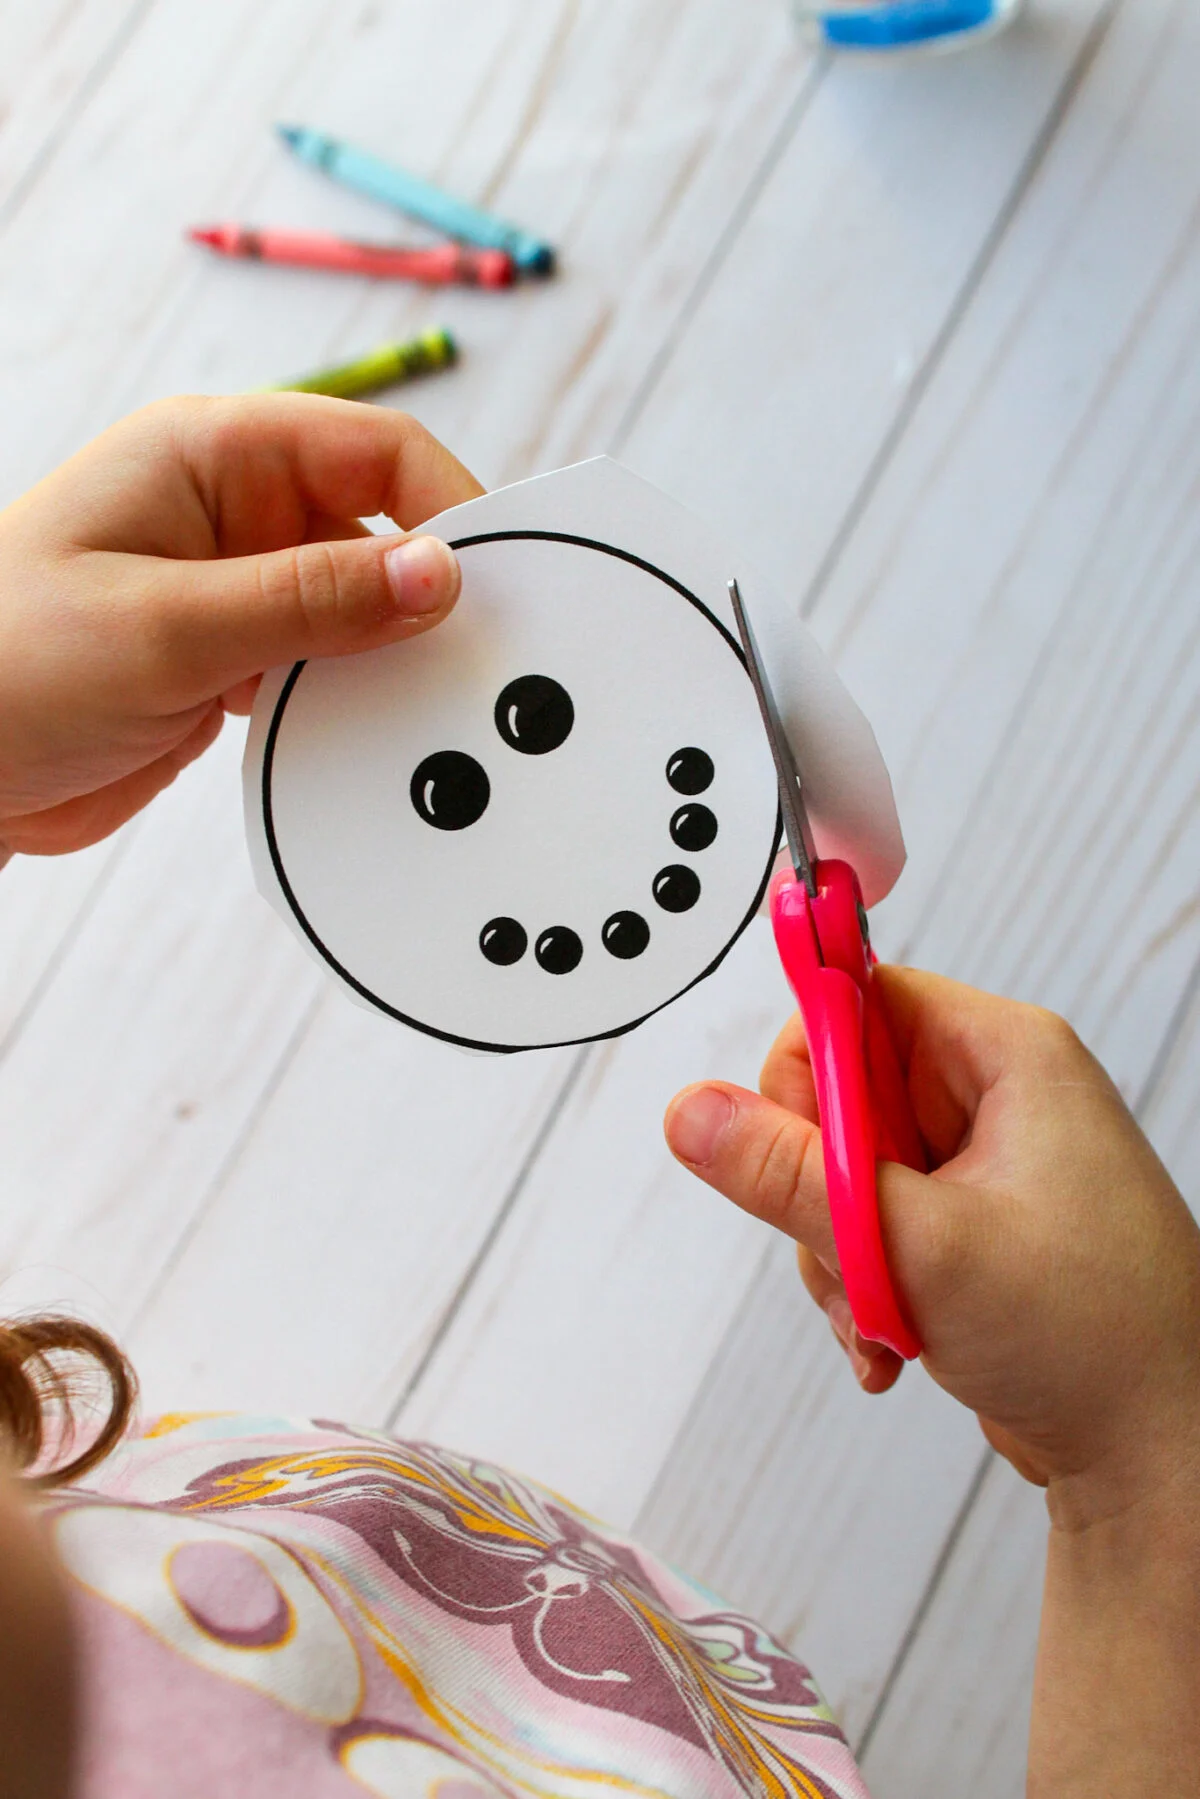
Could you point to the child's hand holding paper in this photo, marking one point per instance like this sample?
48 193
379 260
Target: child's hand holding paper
150 581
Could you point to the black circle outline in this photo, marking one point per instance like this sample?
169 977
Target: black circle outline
373 999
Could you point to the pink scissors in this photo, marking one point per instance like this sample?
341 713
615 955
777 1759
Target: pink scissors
824 944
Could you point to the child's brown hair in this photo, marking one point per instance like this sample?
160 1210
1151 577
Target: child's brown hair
51 1369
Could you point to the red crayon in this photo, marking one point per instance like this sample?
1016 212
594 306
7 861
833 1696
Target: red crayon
441 264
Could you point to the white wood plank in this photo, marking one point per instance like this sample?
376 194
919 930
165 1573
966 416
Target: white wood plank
1171 1112
43 900
182 129
957 1720
579 1347
519 104
51 56
802 1501
320 1270
133 1073
1017 607
813 339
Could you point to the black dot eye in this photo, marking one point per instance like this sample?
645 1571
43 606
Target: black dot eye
693 827
690 771
676 888
626 935
558 950
534 714
503 941
450 790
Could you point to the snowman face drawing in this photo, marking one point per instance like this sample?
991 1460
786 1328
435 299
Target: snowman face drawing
538 823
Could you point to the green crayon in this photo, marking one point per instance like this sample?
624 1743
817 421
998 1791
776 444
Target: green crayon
384 367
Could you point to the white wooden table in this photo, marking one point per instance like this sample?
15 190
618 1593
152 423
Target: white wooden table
924 335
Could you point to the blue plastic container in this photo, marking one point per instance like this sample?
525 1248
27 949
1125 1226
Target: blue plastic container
904 24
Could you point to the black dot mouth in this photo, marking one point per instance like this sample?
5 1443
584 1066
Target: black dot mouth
559 950
625 935
534 714
503 941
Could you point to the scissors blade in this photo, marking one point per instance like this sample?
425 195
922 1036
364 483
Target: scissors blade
791 800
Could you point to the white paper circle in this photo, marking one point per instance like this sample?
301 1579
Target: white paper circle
570 838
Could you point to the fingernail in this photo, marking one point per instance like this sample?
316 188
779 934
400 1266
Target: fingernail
846 1331
838 1312
696 1123
423 575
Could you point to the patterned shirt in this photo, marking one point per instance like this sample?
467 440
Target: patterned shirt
271 1608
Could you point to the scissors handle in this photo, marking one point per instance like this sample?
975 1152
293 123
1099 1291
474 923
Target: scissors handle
862 1098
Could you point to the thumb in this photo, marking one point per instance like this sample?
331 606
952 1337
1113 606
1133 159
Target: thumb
222 621
764 1158
769 1162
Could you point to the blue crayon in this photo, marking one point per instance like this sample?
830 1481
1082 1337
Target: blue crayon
420 199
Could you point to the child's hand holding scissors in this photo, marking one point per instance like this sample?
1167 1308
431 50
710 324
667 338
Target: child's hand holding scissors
1050 1265
1052 1271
